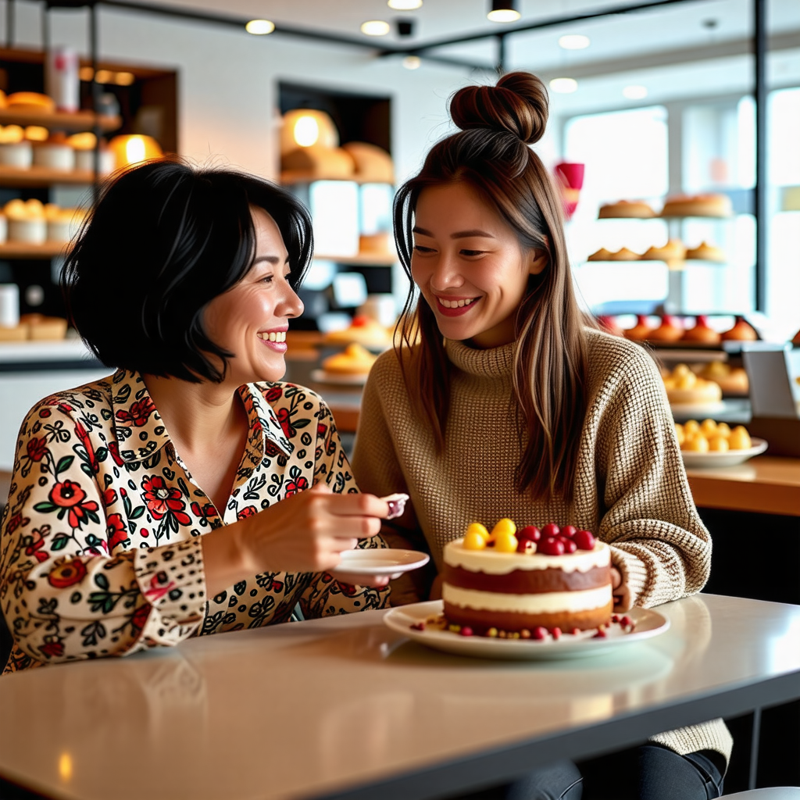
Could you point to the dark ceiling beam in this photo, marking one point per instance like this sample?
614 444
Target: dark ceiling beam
533 26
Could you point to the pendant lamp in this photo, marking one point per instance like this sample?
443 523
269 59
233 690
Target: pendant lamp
503 11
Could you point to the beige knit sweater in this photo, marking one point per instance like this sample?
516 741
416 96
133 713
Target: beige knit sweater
631 488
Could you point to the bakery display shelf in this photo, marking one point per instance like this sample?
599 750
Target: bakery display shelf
23 250
60 120
671 263
730 346
42 177
361 259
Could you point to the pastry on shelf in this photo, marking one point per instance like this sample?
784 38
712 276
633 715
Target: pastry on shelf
319 163
742 331
697 205
15 150
640 331
41 327
673 251
706 252
701 332
371 163
709 436
54 153
62 223
600 255
626 209
84 145
684 387
362 330
732 380
30 101
668 331
353 360
796 339
26 221
623 254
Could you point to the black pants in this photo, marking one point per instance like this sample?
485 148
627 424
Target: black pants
648 772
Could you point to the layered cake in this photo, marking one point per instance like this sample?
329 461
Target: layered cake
353 360
518 581
364 331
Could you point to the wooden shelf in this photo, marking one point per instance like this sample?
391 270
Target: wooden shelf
61 120
21 250
362 259
41 176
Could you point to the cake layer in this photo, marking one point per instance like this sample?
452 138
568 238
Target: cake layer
481 621
519 581
551 602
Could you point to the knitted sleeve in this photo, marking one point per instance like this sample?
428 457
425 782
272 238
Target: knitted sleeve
658 541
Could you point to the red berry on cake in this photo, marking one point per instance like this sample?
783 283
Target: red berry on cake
526 546
539 633
569 545
551 546
551 529
569 531
585 540
530 532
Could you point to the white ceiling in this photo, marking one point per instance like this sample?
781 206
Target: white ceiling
675 26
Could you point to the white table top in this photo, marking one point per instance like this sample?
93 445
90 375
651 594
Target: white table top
345 707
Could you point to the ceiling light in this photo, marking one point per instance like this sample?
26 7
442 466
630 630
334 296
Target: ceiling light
412 62
503 11
404 5
259 27
635 92
375 27
564 85
574 41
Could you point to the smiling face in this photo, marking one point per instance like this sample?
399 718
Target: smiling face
469 265
251 319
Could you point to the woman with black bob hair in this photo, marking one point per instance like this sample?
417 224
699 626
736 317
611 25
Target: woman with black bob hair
191 492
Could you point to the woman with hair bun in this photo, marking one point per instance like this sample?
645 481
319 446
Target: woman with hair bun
502 399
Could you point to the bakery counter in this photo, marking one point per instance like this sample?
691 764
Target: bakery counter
764 485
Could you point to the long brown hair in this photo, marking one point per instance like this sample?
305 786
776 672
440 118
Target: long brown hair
491 154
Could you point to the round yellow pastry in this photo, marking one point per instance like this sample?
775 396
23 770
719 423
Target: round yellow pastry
636 209
718 444
697 444
685 387
740 439
353 360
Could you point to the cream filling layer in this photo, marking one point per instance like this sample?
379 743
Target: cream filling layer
493 562
551 602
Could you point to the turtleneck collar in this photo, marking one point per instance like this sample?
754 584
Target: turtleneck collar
494 363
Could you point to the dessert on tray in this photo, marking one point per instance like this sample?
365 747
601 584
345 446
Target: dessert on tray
742 331
707 252
636 209
702 332
364 331
353 360
640 331
709 436
526 583
684 387
732 380
668 331
698 205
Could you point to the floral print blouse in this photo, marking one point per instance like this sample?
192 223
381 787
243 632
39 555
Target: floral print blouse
100 550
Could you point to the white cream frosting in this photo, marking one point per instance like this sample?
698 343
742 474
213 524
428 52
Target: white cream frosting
492 562
550 602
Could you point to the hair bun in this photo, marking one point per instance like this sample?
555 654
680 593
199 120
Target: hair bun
518 104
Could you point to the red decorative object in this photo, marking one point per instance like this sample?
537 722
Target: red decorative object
570 179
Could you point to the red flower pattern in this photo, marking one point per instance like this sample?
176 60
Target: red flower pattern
67 573
83 436
293 487
162 500
116 531
139 413
37 448
51 649
68 494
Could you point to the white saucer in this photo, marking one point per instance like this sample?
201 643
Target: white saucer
730 458
320 376
381 561
649 623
